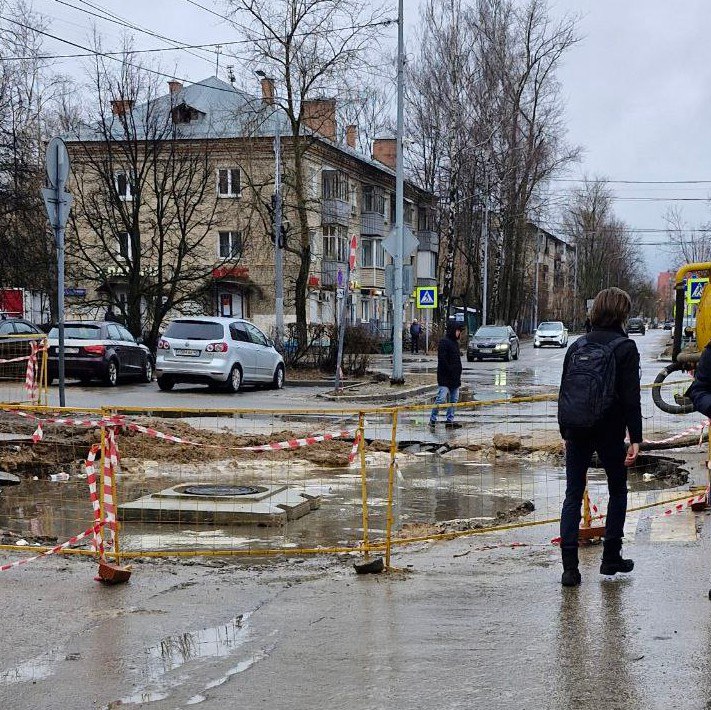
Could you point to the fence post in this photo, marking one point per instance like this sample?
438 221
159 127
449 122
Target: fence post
391 479
100 477
363 481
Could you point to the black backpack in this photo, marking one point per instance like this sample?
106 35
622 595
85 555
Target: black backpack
587 391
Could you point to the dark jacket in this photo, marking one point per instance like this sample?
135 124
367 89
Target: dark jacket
700 390
449 362
415 329
626 413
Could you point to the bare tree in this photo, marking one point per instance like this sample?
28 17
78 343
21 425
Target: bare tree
312 49
687 245
146 207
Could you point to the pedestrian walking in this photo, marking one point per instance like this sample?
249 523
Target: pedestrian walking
449 375
415 330
599 400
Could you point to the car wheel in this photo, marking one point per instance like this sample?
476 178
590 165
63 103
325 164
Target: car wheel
536 346
234 381
147 374
278 380
518 349
111 376
166 383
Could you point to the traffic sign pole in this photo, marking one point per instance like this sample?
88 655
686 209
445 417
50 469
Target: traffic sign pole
58 203
344 309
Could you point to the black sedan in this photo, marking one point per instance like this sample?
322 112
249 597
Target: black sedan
15 337
99 351
493 341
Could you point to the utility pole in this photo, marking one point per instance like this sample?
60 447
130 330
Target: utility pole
485 238
535 288
397 374
575 289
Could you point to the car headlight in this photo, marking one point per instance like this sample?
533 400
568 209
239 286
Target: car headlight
501 346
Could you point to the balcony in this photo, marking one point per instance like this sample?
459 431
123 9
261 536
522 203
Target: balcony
427 241
372 276
372 223
329 272
335 211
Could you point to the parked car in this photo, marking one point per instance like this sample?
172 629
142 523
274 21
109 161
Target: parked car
96 350
495 341
636 325
219 352
668 325
550 333
15 337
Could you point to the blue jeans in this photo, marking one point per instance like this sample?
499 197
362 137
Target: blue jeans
445 394
578 453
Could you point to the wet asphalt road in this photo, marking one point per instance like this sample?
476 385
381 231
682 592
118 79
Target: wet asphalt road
536 371
465 627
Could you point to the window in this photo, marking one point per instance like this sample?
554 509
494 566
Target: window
256 335
335 242
230 245
334 185
239 333
78 332
373 199
409 212
123 186
125 335
24 328
393 207
6 328
372 252
426 265
124 245
365 310
425 222
113 332
194 330
228 182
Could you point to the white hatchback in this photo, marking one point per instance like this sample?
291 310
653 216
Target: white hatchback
220 352
550 333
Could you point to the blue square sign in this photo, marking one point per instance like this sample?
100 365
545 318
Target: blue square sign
427 297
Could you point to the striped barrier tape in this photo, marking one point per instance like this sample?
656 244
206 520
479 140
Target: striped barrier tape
98 543
682 435
31 384
353 455
683 505
93 530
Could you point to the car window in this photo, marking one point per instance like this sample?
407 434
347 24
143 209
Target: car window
258 338
550 326
25 328
239 333
194 330
488 331
125 335
6 328
113 332
78 332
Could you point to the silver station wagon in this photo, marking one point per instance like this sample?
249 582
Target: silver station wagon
220 352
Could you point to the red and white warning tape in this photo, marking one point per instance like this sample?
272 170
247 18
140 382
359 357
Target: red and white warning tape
98 544
31 383
353 455
94 529
110 469
298 443
691 430
684 504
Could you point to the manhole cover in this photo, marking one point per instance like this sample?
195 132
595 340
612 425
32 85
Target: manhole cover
224 490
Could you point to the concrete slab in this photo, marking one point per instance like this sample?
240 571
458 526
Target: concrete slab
680 527
266 505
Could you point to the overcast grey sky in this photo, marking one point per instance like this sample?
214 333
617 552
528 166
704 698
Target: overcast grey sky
637 88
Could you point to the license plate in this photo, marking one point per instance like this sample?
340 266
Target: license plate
184 352
485 350
70 351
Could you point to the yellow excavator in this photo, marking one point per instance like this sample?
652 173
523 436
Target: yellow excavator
685 357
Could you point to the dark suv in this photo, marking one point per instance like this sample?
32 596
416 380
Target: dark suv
636 325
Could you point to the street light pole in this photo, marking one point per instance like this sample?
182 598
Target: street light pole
397 373
535 287
485 237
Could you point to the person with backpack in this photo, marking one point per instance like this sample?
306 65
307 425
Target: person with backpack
599 400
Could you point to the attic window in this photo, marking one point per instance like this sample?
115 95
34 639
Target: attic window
185 114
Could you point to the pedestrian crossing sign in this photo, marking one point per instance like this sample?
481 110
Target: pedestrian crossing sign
426 297
694 289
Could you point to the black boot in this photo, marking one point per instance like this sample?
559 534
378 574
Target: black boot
612 561
571 575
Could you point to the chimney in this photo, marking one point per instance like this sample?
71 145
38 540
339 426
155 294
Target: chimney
120 107
351 135
385 151
268 91
175 87
320 116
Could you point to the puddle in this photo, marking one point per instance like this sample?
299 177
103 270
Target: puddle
33 670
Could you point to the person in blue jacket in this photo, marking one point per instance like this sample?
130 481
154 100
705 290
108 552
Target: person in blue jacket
449 374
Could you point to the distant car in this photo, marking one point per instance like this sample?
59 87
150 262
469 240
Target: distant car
97 350
219 352
550 333
493 341
668 325
636 325
15 337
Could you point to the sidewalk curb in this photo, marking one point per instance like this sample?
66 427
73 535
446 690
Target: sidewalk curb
379 398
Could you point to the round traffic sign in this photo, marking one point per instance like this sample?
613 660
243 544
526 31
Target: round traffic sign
57 162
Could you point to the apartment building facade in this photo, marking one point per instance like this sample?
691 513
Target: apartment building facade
349 195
